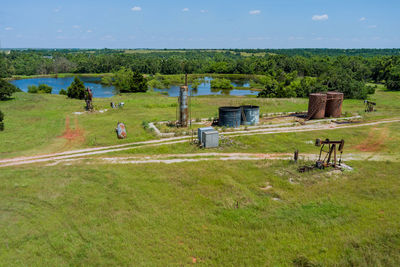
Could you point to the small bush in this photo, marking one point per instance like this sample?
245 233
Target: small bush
63 92
221 84
41 89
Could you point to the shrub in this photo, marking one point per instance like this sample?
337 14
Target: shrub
107 80
76 89
7 89
393 80
221 84
63 92
41 89
32 89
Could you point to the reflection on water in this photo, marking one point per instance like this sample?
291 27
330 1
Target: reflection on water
100 90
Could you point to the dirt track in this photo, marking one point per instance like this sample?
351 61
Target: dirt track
108 149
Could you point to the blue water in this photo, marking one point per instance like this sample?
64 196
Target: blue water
100 90
63 83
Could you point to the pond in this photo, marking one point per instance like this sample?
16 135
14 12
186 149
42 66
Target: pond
102 91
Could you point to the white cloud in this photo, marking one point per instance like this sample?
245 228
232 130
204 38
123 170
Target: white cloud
76 26
136 8
9 28
56 10
203 11
320 17
89 31
254 12
363 19
372 26
59 30
185 9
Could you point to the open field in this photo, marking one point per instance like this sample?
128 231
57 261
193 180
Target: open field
243 204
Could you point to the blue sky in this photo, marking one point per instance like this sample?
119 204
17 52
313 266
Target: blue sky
200 24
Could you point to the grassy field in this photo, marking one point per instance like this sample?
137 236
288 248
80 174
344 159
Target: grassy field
213 213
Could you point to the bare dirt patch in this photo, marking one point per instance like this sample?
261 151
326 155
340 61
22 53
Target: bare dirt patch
73 135
375 140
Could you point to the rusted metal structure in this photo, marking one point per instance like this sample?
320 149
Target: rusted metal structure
328 158
229 116
89 99
334 102
316 106
183 105
250 115
369 106
121 130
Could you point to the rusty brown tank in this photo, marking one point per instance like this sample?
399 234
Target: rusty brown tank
334 102
316 106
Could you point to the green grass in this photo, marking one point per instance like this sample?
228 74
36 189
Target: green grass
160 214
96 214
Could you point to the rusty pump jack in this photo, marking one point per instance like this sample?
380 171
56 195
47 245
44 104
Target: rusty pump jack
328 160
369 106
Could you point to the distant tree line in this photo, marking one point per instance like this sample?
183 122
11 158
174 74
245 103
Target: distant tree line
288 72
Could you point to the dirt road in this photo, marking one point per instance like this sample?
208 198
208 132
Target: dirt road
168 141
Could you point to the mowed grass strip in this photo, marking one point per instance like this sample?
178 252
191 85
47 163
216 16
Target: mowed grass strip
218 213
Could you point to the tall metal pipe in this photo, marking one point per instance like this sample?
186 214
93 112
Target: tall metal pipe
183 105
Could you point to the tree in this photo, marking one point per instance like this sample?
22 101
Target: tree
63 92
393 80
76 89
6 89
128 81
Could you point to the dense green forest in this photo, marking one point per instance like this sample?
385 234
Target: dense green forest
287 72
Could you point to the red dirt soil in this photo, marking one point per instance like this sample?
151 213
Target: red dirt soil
374 141
72 134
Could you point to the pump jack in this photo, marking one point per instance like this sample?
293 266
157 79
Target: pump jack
328 160
369 106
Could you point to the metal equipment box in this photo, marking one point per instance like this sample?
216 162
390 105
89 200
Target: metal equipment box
210 139
200 133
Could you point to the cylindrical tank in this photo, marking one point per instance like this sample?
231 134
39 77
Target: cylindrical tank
229 116
316 106
334 102
250 115
183 106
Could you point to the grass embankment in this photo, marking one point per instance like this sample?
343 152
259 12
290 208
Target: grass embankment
213 213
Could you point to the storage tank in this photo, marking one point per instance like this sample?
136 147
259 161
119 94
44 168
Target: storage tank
334 102
316 106
183 106
250 115
229 116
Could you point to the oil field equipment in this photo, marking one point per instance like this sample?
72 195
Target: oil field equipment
229 116
89 99
183 105
250 115
210 139
121 130
200 132
369 106
328 158
316 106
334 102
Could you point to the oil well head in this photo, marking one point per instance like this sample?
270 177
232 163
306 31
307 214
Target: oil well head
316 106
230 116
250 115
334 102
